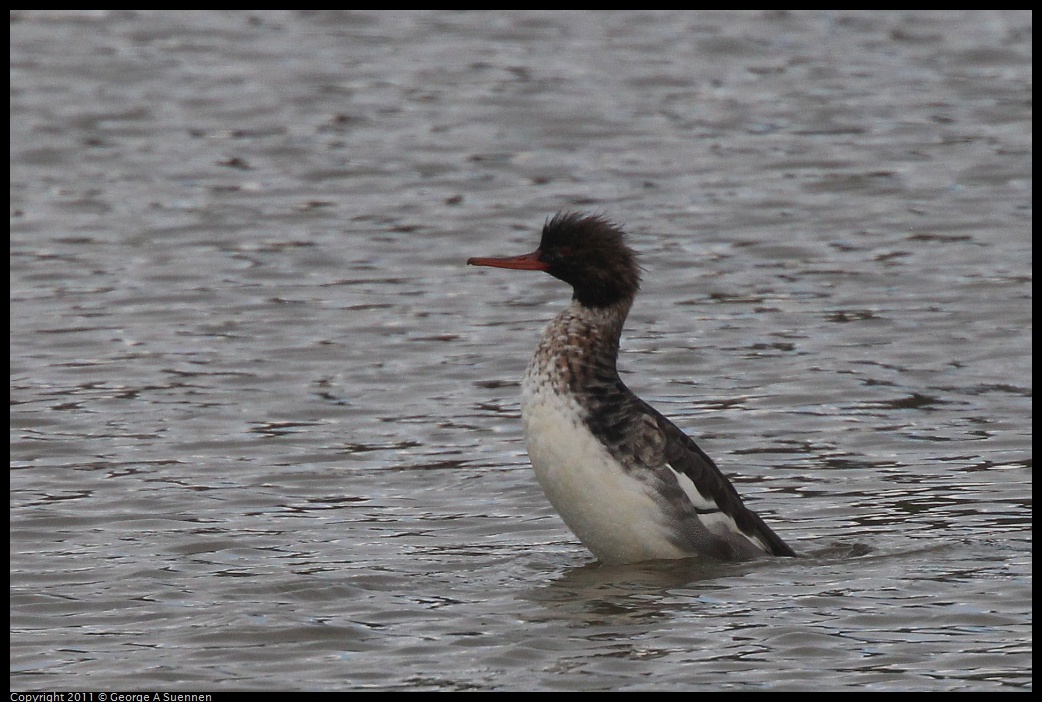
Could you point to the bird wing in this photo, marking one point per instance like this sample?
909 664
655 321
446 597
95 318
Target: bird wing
713 496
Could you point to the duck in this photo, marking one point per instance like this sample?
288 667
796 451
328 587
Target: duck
628 482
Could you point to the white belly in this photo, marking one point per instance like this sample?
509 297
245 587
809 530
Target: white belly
610 511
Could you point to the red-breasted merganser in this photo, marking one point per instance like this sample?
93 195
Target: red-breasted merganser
630 484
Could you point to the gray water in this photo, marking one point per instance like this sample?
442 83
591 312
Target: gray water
264 420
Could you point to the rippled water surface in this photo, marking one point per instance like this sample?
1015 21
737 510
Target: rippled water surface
264 422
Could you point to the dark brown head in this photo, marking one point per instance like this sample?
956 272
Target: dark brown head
585 251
